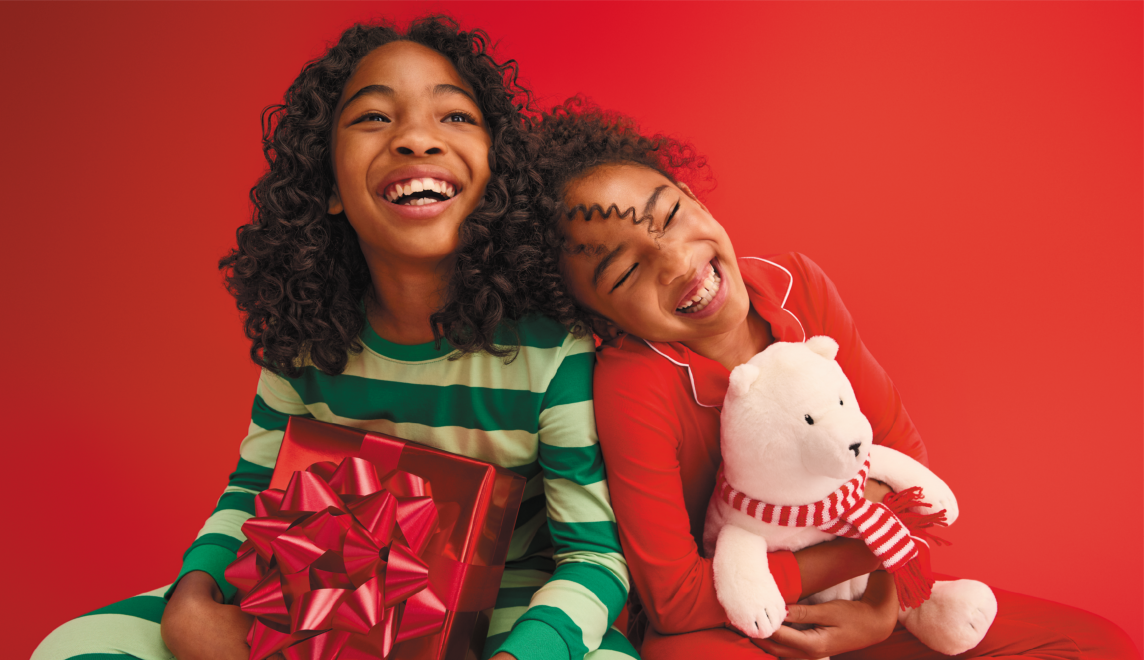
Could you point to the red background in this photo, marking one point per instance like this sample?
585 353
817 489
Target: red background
970 175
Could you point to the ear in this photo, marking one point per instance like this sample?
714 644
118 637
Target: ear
334 206
742 377
687 191
605 329
823 345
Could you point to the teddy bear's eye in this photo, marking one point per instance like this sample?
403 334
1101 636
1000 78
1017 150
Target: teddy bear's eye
840 402
809 419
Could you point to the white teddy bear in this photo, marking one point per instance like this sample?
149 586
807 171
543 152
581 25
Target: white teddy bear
797 451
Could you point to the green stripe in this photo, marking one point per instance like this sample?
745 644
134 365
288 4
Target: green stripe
212 560
514 596
403 352
221 540
534 331
266 417
584 536
599 581
529 508
141 607
238 501
100 656
580 465
563 624
527 471
481 408
542 540
251 476
492 643
572 382
546 564
614 640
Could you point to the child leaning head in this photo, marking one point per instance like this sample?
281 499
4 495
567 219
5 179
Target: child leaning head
630 248
393 156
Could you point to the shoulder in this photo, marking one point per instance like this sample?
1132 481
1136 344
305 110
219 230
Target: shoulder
629 363
538 334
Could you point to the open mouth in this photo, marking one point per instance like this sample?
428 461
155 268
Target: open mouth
419 191
703 294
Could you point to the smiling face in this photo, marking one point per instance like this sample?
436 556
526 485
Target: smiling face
677 282
410 154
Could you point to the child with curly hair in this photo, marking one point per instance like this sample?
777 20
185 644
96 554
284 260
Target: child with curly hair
633 254
380 282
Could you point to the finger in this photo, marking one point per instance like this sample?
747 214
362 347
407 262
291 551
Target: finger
780 650
823 614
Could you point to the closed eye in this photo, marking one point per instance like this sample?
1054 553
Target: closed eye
625 276
670 216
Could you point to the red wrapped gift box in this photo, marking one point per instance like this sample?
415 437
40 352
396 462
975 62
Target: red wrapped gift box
366 542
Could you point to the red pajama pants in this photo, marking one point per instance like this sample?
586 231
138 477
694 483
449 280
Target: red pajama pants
1025 627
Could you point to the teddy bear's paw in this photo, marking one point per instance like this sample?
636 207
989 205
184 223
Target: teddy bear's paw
955 618
758 614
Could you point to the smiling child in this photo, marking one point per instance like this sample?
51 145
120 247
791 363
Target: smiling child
645 264
376 295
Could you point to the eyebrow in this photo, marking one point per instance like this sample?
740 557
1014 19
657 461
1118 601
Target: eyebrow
605 262
445 88
386 90
651 200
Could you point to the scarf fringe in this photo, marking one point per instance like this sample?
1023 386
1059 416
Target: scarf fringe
914 579
917 523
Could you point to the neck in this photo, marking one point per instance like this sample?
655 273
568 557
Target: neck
404 296
740 344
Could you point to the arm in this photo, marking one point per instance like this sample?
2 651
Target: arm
197 622
586 593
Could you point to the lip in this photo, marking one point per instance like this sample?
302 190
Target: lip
716 302
417 172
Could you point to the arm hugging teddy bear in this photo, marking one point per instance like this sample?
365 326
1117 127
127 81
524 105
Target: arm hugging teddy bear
797 452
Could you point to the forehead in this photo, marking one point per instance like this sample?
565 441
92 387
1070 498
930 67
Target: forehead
621 184
405 66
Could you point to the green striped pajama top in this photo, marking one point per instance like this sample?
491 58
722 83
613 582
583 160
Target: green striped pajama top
566 579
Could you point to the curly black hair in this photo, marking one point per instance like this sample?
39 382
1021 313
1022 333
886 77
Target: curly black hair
298 274
569 143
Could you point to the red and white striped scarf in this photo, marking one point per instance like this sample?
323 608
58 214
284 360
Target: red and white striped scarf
845 512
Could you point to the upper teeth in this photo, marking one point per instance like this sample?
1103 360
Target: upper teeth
703 294
399 189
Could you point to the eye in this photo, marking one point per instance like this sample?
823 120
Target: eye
459 117
670 217
626 275
809 419
372 116
840 402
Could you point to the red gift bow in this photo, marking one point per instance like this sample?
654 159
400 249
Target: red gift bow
331 567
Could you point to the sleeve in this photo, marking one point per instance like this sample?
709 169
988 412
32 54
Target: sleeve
217 543
568 616
638 433
877 396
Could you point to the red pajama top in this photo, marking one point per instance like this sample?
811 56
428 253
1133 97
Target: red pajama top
657 413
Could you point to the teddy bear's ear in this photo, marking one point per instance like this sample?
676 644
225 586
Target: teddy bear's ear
741 379
823 345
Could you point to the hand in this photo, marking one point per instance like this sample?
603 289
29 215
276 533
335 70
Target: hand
876 490
503 655
198 626
840 625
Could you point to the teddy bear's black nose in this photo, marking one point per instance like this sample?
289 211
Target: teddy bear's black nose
855 447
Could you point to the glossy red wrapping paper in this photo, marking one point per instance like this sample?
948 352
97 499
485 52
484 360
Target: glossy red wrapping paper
370 546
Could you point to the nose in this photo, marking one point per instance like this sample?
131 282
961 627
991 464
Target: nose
418 138
673 263
855 447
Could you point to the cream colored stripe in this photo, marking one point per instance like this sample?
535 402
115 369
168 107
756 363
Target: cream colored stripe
504 618
612 561
534 487
227 521
524 534
261 446
606 654
581 605
569 425
504 448
104 633
572 503
239 489
279 394
532 370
